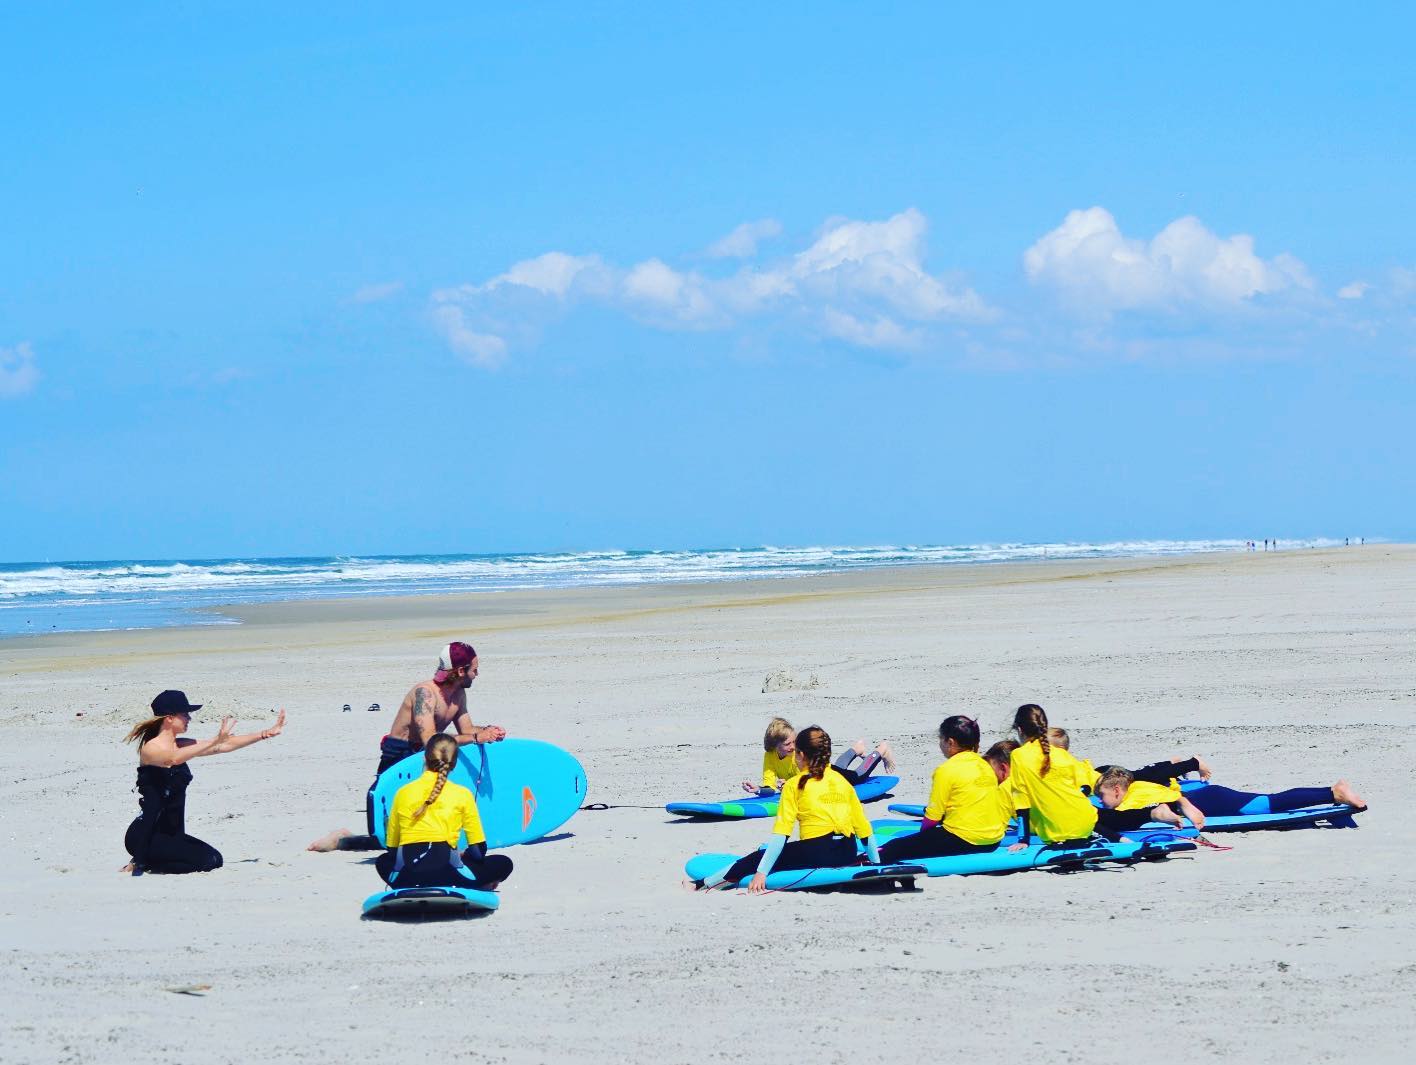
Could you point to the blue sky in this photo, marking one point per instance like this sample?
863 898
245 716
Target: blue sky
329 280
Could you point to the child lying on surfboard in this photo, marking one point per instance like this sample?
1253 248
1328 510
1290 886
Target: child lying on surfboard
1157 786
821 804
779 764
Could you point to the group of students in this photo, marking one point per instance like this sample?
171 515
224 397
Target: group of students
974 799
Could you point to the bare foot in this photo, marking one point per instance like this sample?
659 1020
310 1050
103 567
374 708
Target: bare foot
860 748
886 755
1342 792
127 868
329 841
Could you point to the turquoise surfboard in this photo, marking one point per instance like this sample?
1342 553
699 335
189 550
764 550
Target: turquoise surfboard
868 789
418 902
525 789
702 866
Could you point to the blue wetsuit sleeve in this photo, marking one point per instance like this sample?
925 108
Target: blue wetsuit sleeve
771 853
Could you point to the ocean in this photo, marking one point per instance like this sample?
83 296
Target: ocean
91 596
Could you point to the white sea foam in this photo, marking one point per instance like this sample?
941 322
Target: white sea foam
107 594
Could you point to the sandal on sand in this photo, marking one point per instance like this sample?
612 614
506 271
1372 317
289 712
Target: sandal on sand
373 706
346 708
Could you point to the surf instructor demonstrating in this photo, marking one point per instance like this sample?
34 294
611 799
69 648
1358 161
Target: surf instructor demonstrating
428 710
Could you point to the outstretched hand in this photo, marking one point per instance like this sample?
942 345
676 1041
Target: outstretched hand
277 728
749 787
228 726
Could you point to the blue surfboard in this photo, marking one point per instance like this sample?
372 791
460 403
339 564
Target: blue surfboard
1337 814
417 902
869 789
1049 856
525 789
702 866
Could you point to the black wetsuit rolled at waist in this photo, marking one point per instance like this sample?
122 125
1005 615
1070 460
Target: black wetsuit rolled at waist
157 839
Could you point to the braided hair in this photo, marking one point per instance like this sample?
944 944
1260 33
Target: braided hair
814 746
1030 722
440 756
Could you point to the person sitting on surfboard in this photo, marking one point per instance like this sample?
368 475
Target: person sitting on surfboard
427 818
969 809
157 839
779 765
1047 782
823 805
430 707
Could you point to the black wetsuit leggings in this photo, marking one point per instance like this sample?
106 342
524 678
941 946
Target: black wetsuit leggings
934 842
168 853
820 852
430 865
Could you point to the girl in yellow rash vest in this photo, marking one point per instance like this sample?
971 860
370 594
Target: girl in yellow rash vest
1049 782
779 759
427 817
828 811
968 812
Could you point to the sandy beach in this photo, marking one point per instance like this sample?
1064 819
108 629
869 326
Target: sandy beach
1283 669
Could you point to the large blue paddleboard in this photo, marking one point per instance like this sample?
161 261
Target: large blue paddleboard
887 829
430 902
702 866
868 789
525 789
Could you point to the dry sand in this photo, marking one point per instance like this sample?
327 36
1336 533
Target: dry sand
1285 670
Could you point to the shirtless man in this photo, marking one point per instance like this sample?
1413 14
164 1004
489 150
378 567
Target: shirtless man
430 707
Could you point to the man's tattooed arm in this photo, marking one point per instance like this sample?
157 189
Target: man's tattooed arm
423 726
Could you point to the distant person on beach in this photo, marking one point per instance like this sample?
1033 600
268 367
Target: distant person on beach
430 707
779 760
823 806
428 816
969 807
157 840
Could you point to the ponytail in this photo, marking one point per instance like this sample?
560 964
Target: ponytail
1030 722
144 731
814 745
439 756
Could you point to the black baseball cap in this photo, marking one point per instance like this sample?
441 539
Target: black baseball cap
173 702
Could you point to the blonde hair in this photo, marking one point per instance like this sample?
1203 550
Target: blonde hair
440 756
779 730
144 730
1058 738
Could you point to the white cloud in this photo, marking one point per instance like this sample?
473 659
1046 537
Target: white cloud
1100 270
1354 290
377 293
18 372
480 349
742 242
554 274
863 282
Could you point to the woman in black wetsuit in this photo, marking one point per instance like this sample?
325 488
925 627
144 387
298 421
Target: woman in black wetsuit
157 839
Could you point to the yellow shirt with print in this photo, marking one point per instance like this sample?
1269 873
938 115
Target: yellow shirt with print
964 798
824 807
1059 810
777 770
1143 794
454 812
